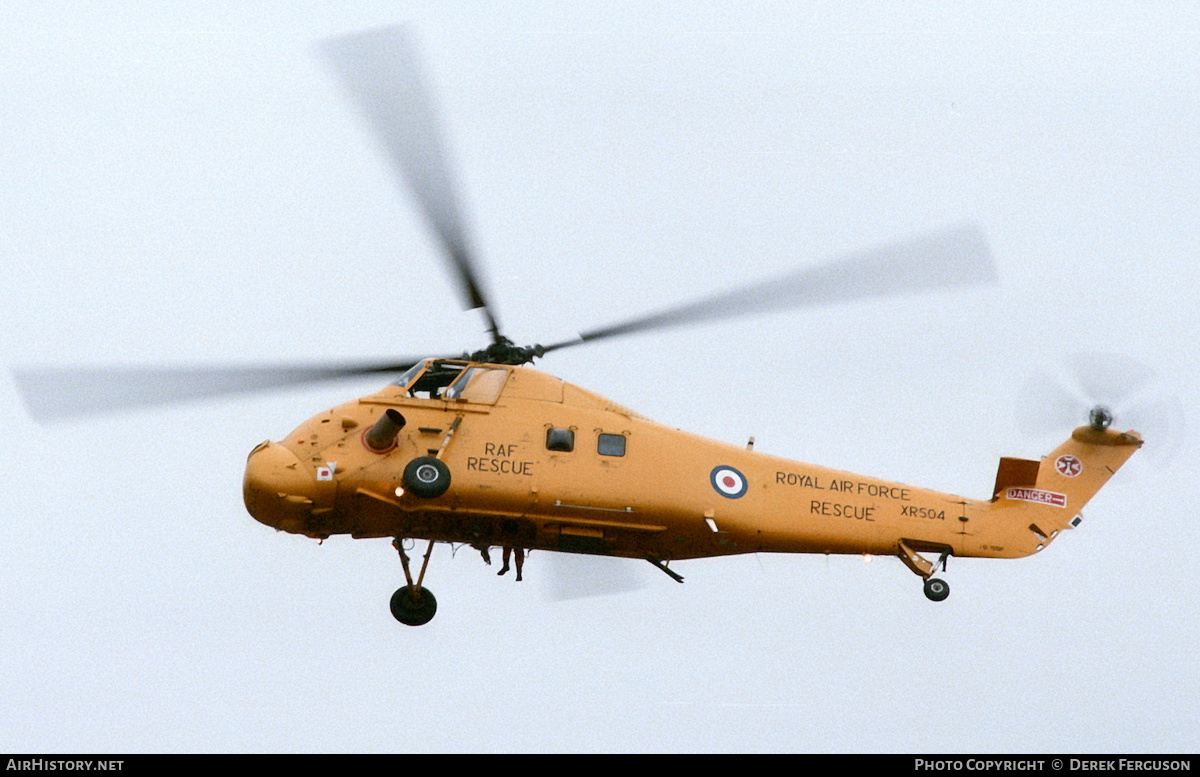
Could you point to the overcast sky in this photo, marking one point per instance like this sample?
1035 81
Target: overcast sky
182 183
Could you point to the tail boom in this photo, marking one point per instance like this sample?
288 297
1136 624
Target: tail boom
1034 501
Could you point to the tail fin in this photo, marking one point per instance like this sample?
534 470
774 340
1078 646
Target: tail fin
1050 494
1083 464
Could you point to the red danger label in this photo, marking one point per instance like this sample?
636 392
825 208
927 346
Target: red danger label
1038 496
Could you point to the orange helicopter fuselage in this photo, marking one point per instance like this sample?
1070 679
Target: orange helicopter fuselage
536 462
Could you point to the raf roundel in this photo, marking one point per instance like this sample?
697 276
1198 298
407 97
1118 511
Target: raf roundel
728 481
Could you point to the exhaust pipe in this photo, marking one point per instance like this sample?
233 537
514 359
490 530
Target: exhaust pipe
382 436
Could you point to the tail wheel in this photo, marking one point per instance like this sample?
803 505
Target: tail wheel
426 477
936 590
413 605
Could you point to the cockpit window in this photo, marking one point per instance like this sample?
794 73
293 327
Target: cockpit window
429 379
478 384
410 373
436 379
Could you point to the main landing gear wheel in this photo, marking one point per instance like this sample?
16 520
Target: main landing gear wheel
413 606
936 589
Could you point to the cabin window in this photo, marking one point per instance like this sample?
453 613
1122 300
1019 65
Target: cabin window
560 440
611 445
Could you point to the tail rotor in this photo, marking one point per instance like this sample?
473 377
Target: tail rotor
1102 390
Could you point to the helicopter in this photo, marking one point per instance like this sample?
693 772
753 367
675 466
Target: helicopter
481 449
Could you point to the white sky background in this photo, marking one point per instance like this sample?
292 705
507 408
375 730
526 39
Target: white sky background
185 185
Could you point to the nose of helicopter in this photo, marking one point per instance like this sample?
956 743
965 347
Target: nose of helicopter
278 489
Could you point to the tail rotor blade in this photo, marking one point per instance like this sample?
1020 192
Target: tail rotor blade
1046 407
1114 379
1161 422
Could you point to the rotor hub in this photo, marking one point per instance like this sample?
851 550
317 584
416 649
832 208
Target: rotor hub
504 351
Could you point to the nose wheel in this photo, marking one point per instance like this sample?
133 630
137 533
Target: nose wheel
413 604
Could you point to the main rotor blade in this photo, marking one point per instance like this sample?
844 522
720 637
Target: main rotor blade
380 70
954 257
55 393
575 576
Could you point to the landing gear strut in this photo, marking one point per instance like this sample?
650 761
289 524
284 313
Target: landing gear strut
413 604
936 589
